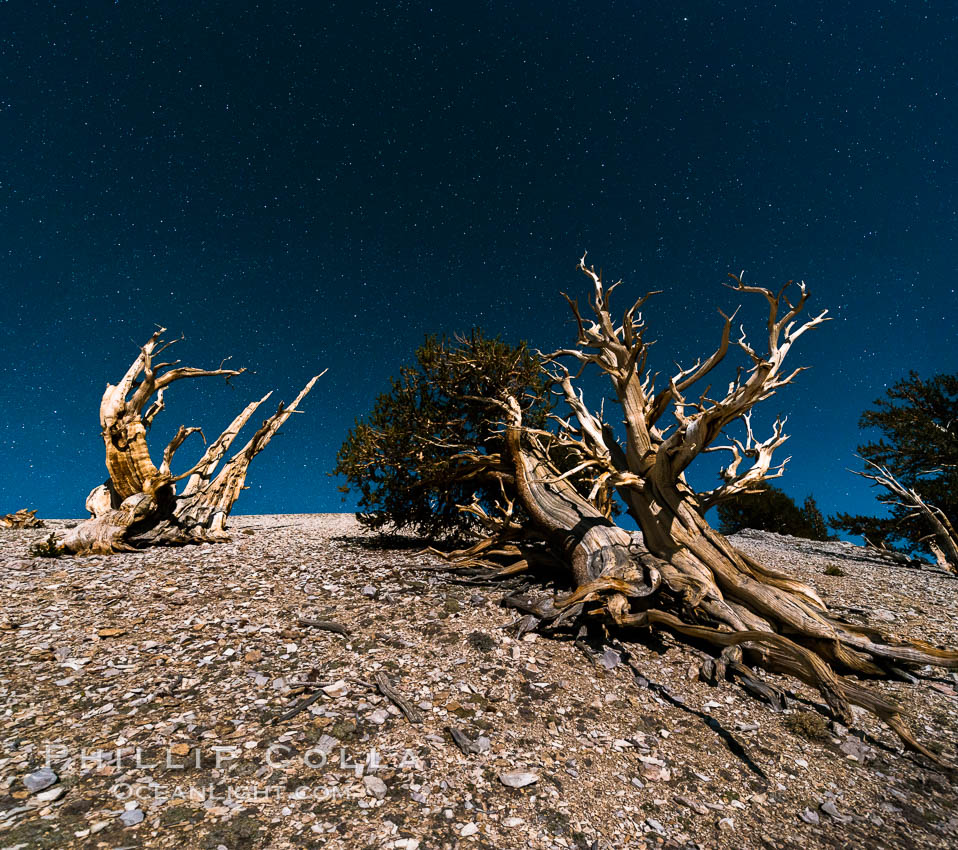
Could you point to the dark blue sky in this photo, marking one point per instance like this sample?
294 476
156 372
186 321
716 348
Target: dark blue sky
311 185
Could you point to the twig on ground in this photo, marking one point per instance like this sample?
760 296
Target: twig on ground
413 714
325 626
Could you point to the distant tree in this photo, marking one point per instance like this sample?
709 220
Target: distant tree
429 445
915 461
770 509
816 525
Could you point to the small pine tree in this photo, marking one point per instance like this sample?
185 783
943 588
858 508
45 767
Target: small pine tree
772 510
917 421
816 527
411 459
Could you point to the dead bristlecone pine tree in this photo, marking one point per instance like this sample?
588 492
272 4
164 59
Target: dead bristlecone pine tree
21 519
139 505
943 539
683 575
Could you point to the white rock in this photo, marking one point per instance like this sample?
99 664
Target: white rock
517 778
132 817
51 794
375 786
326 744
40 779
336 689
469 829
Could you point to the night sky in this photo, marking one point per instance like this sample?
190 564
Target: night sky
312 185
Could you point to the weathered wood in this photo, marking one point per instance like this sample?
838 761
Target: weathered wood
944 537
302 705
139 505
21 519
384 686
685 576
324 625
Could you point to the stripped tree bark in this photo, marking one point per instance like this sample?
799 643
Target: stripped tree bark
684 576
138 505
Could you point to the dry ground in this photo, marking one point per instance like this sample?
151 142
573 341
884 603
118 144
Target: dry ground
166 660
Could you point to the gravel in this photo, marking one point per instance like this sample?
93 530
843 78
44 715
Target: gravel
221 717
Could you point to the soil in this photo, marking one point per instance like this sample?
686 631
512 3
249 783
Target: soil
130 676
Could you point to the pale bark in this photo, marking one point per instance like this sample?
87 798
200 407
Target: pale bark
138 505
686 577
944 536
21 519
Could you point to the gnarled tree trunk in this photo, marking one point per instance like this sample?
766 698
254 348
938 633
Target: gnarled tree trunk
138 505
685 576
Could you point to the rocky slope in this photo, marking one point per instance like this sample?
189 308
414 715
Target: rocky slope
169 661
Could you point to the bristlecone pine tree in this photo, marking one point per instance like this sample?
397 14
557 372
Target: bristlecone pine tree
684 576
138 505
915 461
21 519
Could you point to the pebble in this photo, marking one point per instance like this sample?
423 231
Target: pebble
831 810
336 689
854 749
655 826
469 829
51 794
694 805
810 816
132 817
517 779
610 659
375 786
326 744
379 716
40 779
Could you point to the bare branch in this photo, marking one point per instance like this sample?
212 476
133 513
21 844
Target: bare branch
735 482
175 443
946 537
697 432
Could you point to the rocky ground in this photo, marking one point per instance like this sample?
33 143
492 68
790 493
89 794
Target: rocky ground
159 699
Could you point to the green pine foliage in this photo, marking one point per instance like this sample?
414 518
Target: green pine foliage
817 526
405 458
918 424
772 510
